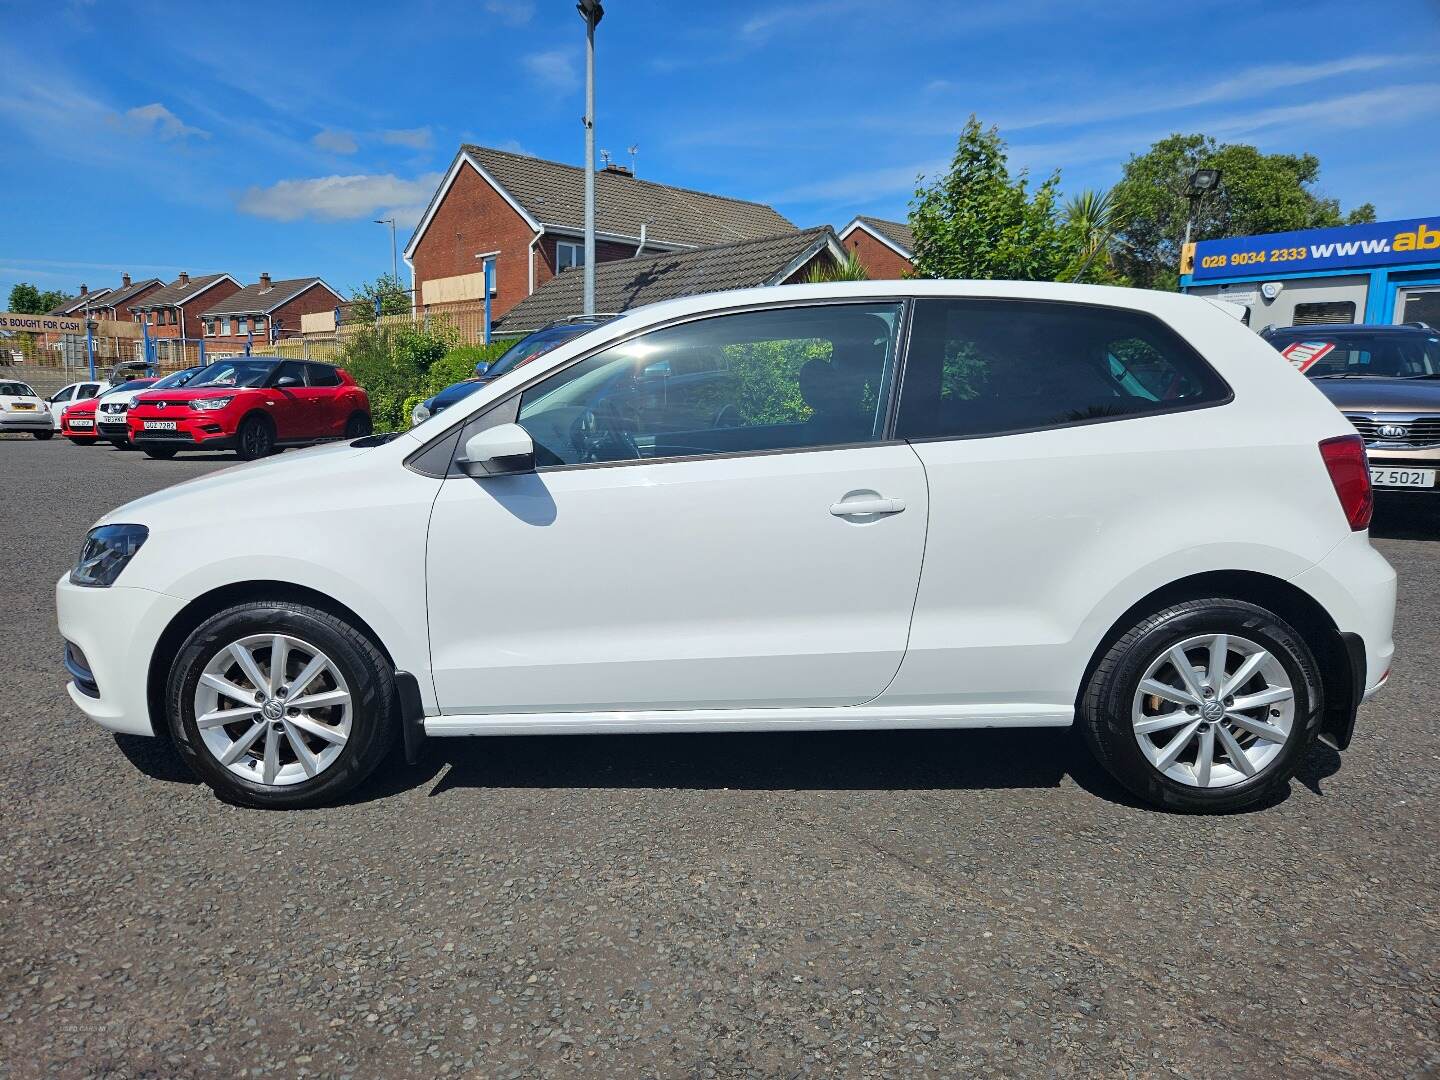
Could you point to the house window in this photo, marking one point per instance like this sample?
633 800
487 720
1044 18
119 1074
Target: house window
225 325
1332 311
241 324
568 255
258 322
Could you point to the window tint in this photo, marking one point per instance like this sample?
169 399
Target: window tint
64 395
290 369
323 375
89 390
1391 356
983 367
762 380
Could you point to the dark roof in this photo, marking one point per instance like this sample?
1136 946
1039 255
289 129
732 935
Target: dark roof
75 303
261 300
628 283
554 194
175 293
118 296
897 232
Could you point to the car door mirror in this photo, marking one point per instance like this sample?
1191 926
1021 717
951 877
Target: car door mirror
498 451
286 381
481 368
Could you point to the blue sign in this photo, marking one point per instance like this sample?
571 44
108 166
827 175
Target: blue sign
1383 243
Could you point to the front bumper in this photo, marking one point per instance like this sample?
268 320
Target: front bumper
197 431
116 629
26 421
111 430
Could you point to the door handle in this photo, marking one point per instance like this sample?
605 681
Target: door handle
867 507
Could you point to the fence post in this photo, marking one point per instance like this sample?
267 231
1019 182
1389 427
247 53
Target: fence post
90 347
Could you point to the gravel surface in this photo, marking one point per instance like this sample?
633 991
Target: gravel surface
858 904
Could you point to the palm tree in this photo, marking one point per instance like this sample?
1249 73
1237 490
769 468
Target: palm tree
849 269
1092 214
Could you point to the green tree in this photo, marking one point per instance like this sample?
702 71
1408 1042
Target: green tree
1091 214
977 221
394 298
1259 193
26 299
823 271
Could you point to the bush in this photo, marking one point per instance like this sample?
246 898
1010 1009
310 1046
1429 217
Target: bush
400 365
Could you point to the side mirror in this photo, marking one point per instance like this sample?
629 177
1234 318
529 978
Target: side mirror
287 380
498 451
481 368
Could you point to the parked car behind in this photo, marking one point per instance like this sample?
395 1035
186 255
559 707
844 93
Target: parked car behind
253 405
110 414
1386 380
81 422
66 396
884 504
522 352
23 410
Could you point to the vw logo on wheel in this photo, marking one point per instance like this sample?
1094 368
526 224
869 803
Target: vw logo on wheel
1393 431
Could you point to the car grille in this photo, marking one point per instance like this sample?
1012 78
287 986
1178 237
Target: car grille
113 407
1412 431
164 436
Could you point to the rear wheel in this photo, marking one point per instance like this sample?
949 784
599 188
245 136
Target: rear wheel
357 427
280 705
256 438
161 453
1204 707
43 435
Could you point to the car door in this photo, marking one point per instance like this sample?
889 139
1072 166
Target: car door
60 402
330 406
294 407
766 558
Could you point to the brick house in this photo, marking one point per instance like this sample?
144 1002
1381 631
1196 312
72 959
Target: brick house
265 312
118 304
174 311
529 215
622 284
81 302
885 248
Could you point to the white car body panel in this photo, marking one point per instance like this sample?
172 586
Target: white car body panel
24 412
57 408
574 600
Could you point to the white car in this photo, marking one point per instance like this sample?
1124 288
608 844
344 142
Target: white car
66 396
112 412
885 504
23 410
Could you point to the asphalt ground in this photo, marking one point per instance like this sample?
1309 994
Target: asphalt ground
857 904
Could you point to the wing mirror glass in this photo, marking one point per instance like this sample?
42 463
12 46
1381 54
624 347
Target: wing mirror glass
498 451
481 368
287 380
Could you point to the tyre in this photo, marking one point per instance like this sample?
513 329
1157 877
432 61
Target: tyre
256 438
279 705
1204 707
357 427
161 453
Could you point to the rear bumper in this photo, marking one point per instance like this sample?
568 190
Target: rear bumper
37 421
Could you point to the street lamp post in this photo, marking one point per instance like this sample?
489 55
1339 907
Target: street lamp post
394 264
592 11
1202 182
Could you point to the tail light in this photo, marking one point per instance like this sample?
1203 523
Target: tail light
1349 470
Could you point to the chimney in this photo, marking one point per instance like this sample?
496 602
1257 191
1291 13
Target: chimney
184 279
84 290
617 170
124 281
264 282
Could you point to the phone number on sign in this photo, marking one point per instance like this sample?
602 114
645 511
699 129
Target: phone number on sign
1250 258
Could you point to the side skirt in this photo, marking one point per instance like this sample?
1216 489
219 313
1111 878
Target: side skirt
852 718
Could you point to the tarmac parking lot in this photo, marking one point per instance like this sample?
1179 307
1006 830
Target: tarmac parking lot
860 904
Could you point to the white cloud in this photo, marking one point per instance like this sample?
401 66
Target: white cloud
514 12
338 198
156 119
555 68
335 141
415 138
758 26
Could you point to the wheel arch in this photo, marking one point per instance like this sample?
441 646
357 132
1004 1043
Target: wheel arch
250 414
1333 656
217 600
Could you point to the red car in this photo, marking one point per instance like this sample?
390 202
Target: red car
253 405
78 423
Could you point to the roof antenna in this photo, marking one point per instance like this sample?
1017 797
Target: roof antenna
605 159
633 150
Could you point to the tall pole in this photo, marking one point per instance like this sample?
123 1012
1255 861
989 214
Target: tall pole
591 18
394 265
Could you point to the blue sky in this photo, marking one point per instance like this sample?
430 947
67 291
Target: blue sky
155 138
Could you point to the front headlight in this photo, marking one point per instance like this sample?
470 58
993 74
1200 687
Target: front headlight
107 551
206 404
419 414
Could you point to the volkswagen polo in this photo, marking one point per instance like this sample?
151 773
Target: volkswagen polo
873 505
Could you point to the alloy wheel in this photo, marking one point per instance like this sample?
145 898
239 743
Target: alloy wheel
273 709
1213 710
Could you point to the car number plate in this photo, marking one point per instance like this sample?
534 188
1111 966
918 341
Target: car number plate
159 425
22 406
82 423
1388 477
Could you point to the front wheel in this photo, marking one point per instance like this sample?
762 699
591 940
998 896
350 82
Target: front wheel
1204 707
161 453
256 439
357 427
279 705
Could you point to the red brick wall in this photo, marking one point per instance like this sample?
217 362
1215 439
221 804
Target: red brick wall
193 326
123 312
474 218
605 251
316 298
882 262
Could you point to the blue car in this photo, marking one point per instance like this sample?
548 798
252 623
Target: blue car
523 351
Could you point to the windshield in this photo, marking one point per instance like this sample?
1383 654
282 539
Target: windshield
176 378
537 344
1350 356
133 384
234 373
15 389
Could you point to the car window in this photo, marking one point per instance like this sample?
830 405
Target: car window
986 367
752 381
537 344
323 375
1390 356
234 373
291 369
15 389
133 384
64 395
89 390
176 378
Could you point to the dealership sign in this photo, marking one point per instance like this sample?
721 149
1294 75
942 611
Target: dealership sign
40 324
1381 243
